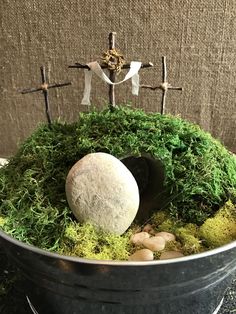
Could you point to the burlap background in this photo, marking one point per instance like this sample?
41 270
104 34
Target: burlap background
198 37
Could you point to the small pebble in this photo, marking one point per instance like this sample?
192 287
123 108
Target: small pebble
148 228
154 244
166 235
137 238
142 255
171 254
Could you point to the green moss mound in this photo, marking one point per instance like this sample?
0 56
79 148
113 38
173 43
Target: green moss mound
200 173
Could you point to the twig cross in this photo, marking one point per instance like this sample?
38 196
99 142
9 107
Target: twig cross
112 73
45 86
164 86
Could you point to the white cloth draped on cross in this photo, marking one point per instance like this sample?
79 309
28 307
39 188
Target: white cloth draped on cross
95 68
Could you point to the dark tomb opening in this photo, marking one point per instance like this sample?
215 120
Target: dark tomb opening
149 174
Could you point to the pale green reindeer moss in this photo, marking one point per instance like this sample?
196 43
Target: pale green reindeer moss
200 177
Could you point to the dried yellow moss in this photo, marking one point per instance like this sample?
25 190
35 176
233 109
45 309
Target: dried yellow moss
86 241
173 246
214 232
221 229
2 221
190 242
159 217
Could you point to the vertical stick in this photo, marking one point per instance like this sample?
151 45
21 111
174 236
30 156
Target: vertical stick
112 74
163 101
164 70
45 93
164 85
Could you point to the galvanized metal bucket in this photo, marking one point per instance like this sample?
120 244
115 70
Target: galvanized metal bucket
68 285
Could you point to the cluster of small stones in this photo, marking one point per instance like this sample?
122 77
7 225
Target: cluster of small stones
148 242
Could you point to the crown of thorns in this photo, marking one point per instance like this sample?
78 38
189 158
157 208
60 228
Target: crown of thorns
113 59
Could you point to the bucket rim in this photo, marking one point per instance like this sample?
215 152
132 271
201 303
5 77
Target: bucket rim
76 259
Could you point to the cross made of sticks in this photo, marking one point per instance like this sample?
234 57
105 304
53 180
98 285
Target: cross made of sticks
112 73
164 86
45 86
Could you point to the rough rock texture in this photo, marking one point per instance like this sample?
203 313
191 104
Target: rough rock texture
101 190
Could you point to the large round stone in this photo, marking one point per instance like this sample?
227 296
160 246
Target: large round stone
101 190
